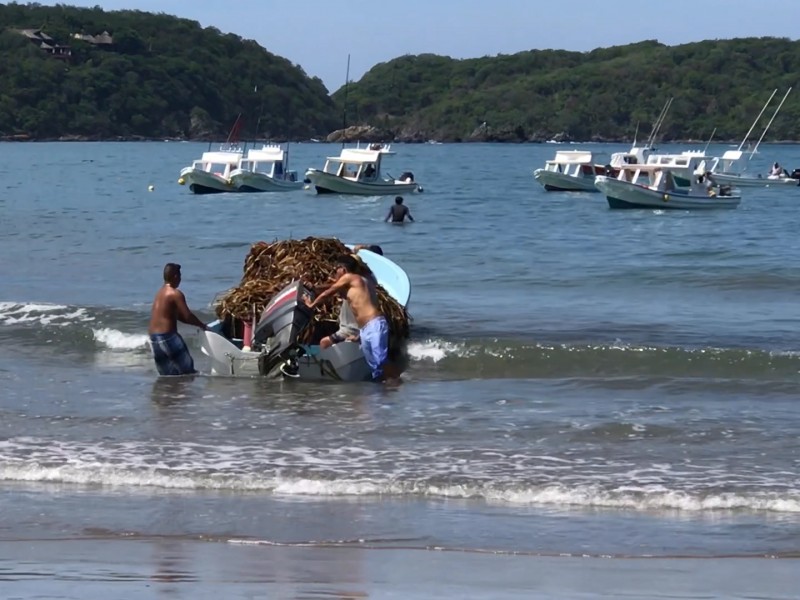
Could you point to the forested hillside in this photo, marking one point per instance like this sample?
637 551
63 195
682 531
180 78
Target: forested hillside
161 76
72 72
601 94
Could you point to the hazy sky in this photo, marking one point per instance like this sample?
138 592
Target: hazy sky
318 35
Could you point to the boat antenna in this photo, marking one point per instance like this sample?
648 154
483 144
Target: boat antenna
656 125
344 109
775 114
763 108
711 137
233 136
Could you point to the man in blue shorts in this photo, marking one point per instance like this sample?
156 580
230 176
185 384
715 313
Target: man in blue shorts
362 298
169 306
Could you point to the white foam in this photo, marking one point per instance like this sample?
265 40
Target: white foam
14 313
117 340
434 350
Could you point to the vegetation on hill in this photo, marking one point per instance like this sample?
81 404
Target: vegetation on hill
161 77
131 74
600 95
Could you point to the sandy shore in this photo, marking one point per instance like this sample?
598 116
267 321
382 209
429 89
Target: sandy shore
180 568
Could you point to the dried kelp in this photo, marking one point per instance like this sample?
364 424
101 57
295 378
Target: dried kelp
269 267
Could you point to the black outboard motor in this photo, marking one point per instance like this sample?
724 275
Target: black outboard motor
795 174
281 323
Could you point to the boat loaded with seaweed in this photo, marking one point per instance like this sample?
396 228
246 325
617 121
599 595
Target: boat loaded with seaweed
265 328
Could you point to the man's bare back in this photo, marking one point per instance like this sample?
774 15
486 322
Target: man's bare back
169 307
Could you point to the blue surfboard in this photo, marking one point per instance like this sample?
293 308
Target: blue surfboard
389 274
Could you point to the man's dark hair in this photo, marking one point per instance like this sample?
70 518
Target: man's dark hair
348 262
398 200
170 270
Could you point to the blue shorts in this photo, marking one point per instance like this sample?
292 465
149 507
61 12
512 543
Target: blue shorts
171 354
375 345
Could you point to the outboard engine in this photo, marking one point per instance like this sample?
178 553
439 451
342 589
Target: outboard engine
407 176
281 323
795 174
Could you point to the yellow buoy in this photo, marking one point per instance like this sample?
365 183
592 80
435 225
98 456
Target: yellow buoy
181 181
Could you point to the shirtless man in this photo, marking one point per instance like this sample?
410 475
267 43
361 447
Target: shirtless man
363 301
348 327
169 306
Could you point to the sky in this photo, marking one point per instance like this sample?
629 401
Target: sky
318 35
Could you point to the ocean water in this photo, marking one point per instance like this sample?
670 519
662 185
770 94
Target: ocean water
618 388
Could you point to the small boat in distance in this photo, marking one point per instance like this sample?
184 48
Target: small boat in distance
265 170
655 187
211 173
575 170
359 171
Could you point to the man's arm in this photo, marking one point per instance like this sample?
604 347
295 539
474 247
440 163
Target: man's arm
340 284
410 218
184 314
388 215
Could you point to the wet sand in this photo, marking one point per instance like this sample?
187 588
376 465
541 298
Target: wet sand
192 568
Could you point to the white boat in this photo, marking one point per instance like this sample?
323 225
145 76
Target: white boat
273 350
726 170
655 187
568 171
265 170
211 174
575 170
360 171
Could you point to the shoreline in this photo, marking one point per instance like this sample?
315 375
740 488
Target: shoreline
75 139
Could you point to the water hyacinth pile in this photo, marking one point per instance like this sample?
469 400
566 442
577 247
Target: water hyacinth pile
269 267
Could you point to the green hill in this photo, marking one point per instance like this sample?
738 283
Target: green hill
598 95
88 73
160 76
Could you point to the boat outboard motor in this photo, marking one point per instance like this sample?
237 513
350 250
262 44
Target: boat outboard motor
795 174
281 323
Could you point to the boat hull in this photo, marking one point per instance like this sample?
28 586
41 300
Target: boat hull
325 183
621 194
202 182
341 362
741 181
561 182
244 181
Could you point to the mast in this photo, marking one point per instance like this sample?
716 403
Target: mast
344 109
775 114
749 131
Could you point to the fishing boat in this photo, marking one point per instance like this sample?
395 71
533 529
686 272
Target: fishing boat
265 169
211 173
359 171
731 167
654 186
271 349
575 170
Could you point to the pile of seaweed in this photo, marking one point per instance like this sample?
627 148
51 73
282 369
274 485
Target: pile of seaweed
270 267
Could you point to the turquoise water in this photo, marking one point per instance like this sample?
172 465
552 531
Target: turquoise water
584 382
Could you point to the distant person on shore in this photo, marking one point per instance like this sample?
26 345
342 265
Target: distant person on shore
169 306
399 211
